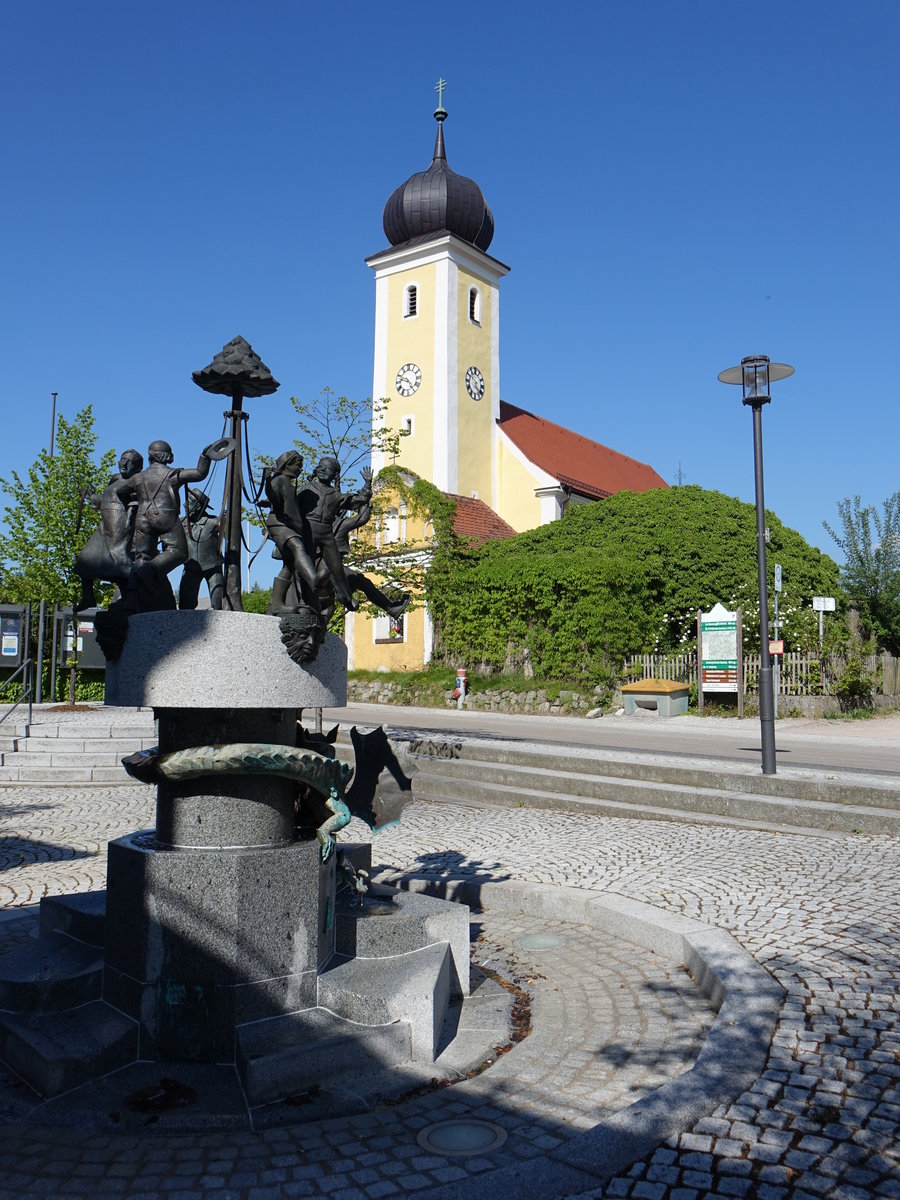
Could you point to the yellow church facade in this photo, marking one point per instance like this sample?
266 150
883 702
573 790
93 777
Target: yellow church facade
437 361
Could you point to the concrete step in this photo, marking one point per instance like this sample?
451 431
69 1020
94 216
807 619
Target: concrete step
109 747
390 922
287 1055
53 973
35 760
577 778
868 793
91 730
81 915
415 987
465 757
62 776
659 801
56 1051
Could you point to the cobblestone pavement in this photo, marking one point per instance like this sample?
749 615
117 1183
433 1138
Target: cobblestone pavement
820 914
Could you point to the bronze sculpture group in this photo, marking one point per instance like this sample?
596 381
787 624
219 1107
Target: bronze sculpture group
141 537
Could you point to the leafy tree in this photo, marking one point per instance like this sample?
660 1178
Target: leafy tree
621 576
345 429
47 523
870 542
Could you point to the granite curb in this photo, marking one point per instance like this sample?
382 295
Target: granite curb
731 1059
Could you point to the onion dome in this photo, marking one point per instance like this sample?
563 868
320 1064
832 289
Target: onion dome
438 201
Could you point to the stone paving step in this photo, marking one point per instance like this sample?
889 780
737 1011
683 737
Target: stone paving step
86 748
378 991
292 1053
634 798
109 746
479 770
55 1051
34 759
53 973
81 915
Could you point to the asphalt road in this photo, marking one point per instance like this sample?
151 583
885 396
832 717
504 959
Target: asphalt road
862 745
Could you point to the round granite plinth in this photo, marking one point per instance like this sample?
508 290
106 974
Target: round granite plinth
226 811
213 659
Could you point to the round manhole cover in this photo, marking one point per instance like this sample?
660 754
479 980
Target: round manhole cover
540 941
461 1137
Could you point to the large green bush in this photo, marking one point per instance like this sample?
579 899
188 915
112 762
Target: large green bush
622 576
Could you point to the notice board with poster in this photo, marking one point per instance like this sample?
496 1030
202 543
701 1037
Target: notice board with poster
720 652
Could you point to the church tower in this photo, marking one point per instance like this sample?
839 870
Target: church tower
437 328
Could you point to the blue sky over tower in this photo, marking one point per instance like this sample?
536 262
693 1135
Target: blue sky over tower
673 187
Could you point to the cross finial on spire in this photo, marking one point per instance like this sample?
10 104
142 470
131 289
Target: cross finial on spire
440 112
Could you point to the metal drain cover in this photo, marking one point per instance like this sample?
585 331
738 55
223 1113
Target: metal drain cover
461 1137
540 941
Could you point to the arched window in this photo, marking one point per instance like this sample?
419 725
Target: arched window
390 526
475 306
411 300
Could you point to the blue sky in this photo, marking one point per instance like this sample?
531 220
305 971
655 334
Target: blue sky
673 185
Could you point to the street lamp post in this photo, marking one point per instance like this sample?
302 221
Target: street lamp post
42 607
755 374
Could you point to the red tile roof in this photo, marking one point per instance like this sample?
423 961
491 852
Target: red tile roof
477 521
577 462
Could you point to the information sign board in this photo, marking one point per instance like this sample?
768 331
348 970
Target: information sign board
823 603
9 639
719 650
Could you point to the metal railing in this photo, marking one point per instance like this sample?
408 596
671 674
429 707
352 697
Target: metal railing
27 689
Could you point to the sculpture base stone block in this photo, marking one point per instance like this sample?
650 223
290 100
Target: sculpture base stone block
201 941
207 658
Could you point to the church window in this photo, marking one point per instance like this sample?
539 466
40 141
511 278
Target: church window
411 300
389 629
390 526
475 306
407 426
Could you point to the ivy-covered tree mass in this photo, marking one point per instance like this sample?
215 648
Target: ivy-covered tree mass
625 575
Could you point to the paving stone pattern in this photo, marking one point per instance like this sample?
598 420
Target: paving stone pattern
820 913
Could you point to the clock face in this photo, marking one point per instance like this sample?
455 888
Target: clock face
408 379
474 383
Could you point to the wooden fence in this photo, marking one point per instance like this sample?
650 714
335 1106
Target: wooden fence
800 673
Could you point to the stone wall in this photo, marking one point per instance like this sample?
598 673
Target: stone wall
563 703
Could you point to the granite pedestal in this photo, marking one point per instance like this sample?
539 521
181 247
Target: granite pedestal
220 916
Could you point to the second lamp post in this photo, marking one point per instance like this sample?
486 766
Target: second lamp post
755 374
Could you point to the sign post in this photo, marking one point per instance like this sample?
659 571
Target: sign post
721 658
777 666
822 604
